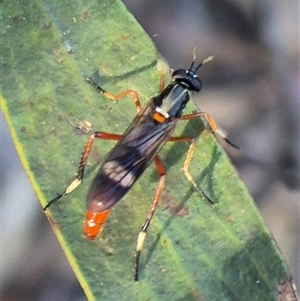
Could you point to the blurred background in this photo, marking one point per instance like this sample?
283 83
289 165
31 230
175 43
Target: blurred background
251 88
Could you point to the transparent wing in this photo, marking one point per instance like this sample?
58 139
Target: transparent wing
128 159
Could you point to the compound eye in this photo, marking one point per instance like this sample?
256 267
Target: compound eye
196 84
179 74
188 78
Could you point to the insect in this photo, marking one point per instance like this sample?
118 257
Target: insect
138 147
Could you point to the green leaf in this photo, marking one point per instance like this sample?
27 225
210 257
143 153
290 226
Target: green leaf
194 250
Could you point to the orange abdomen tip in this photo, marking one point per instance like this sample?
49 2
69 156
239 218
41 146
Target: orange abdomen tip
93 223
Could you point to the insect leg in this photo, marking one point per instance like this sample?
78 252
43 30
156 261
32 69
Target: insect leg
187 162
84 156
214 128
142 235
116 97
213 125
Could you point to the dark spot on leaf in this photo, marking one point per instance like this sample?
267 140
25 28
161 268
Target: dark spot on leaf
229 218
109 108
174 207
95 154
17 19
47 25
58 55
123 37
85 15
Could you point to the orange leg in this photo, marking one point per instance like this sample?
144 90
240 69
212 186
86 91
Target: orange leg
134 94
142 235
187 161
85 154
119 96
214 128
212 124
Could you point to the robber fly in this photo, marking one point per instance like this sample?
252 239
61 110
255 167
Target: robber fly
137 148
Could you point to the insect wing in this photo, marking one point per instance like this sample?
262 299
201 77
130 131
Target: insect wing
128 159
